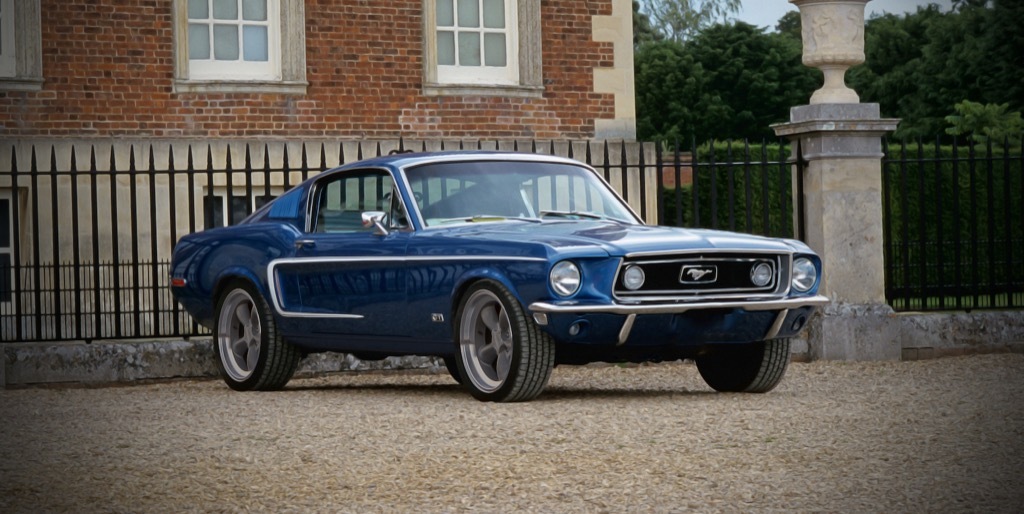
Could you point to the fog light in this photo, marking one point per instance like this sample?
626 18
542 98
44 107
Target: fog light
574 329
633 278
761 274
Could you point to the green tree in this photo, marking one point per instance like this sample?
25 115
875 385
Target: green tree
920 65
789 24
668 80
643 32
984 122
730 81
680 20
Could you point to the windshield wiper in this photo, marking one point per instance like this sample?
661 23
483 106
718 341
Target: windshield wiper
571 214
581 214
484 218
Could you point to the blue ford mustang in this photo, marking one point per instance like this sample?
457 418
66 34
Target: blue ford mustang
503 264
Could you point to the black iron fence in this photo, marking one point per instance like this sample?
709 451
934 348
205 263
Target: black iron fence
729 185
86 237
954 224
85 240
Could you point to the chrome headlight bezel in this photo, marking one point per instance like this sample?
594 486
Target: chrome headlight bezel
565 278
805 274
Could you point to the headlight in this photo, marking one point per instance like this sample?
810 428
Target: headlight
633 278
804 275
565 278
761 274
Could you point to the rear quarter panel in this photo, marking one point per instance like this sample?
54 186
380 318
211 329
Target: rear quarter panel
210 259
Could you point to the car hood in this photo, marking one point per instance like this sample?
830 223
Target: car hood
617 239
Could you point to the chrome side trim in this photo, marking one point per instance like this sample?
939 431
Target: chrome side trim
677 308
774 330
274 289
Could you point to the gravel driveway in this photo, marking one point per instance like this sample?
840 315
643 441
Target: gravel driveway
938 435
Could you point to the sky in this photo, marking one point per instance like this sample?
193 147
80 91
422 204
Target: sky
766 13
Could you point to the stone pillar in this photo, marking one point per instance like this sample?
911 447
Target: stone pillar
840 143
617 29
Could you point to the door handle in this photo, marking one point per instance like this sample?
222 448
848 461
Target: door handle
304 243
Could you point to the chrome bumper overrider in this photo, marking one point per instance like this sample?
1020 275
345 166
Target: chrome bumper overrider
542 309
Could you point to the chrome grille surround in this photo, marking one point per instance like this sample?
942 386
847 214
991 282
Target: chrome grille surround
731 270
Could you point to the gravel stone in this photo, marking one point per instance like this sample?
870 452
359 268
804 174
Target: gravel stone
925 436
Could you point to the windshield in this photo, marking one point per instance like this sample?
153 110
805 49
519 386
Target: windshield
461 192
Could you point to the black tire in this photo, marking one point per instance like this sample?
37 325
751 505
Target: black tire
453 368
749 368
502 355
245 325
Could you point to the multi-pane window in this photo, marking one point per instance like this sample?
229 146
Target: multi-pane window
221 210
233 38
8 62
477 41
6 245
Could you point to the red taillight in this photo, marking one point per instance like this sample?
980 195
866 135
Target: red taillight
177 282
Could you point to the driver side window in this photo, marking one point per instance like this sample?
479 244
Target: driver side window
341 201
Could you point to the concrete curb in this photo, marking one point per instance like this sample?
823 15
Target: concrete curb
129 361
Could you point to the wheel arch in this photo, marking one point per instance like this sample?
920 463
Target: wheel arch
477 275
230 275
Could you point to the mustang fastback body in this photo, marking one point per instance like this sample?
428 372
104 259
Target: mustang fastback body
502 264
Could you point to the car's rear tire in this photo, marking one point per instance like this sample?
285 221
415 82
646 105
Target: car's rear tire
747 368
501 354
251 356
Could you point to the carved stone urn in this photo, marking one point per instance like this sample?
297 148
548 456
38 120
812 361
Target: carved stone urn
833 38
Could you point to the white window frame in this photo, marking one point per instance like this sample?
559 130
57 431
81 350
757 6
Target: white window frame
483 74
21 67
6 194
212 69
284 72
524 76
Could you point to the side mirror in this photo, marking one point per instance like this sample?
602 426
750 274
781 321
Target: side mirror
375 219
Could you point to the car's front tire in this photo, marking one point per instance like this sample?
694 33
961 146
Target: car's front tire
747 368
251 356
501 354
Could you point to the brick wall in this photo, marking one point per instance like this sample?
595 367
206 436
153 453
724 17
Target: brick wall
108 67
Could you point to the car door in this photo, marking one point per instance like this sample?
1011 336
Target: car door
345 278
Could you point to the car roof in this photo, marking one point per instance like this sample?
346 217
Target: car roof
410 159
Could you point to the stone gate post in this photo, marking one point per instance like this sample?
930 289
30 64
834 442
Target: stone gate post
840 142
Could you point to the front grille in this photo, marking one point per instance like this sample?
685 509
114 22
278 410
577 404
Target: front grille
705 275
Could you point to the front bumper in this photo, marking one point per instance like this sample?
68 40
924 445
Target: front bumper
544 311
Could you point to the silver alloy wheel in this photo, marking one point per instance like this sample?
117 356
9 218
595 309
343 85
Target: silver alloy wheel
239 335
485 337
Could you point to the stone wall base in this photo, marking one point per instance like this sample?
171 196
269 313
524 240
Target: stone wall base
111 362
839 332
875 332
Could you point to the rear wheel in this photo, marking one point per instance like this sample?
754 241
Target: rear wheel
501 354
748 368
251 355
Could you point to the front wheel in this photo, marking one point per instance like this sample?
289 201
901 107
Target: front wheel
251 355
747 368
502 355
